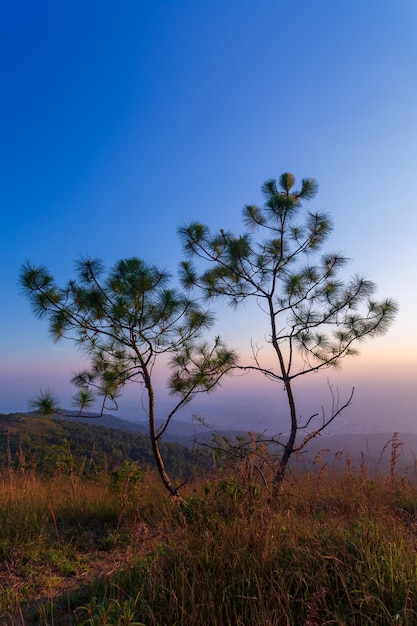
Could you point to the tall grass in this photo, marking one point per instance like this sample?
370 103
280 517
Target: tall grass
334 548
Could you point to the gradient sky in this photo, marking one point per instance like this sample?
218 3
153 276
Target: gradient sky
122 121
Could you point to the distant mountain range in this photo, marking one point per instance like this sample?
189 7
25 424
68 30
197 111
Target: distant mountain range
181 432
373 445
376 451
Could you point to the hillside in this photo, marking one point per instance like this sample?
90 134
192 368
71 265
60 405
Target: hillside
80 543
44 443
40 443
179 432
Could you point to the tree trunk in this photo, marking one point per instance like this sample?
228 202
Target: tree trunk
173 491
289 447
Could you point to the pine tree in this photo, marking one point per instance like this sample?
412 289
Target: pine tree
126 322
305 307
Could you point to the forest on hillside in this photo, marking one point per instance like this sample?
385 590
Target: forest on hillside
43 444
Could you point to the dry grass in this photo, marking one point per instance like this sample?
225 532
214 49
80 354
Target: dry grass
333 548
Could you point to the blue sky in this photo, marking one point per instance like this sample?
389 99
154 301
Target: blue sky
122 121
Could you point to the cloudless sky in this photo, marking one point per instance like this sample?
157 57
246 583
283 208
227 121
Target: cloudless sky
122 121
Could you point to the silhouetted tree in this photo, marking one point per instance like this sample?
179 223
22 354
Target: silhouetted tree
308 308
125 321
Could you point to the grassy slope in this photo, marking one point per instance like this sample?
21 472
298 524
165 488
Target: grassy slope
334 548
85 539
